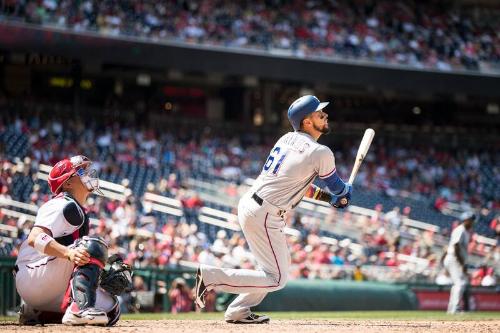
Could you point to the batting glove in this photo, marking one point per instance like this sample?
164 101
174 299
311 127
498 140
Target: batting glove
342 199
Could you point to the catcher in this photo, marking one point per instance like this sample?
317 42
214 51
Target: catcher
60 271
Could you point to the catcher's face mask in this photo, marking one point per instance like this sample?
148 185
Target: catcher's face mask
88 176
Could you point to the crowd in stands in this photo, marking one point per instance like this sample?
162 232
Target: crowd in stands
423 34
147 239
447 175
209 154
441 175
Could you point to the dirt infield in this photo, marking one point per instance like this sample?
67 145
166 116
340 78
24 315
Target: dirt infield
302 326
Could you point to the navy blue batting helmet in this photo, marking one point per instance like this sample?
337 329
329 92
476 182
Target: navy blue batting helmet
302 107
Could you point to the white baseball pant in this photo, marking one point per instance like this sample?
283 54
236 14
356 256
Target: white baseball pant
43 284
263 229
459 279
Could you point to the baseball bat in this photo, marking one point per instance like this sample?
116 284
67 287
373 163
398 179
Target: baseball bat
360 156
362 151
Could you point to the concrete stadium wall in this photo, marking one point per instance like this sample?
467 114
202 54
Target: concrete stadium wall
321 295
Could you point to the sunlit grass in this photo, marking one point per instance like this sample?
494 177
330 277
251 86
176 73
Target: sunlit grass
338 315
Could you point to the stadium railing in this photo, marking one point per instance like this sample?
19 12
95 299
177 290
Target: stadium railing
223 219
211 192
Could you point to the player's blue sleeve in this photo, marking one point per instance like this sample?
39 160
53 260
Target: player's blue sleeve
328 172
336 185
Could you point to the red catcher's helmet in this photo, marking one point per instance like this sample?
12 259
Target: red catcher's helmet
64 169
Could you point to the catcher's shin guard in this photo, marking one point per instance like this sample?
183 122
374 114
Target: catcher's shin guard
80 300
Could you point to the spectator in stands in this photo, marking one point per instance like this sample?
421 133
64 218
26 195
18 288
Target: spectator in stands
207 257
338 258
393 217
180 296
495 225
357 274
221 242
478 275
192 202
412 33
440 204
139 284
391 258
489 280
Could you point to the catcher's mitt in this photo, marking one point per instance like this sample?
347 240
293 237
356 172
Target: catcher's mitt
116 278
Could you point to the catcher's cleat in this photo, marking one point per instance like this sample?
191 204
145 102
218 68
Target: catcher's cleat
251 319
89 316
200 290
28 316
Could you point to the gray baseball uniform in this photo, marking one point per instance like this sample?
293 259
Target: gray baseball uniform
293 164
461 237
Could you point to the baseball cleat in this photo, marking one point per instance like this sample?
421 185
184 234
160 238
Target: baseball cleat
200 290
251 319
88 316
28 316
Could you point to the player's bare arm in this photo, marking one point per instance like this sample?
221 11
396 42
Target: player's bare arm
41 239
317 193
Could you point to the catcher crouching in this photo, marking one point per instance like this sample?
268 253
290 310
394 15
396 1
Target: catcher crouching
62 274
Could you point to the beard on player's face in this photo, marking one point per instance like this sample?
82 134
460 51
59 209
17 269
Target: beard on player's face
324 129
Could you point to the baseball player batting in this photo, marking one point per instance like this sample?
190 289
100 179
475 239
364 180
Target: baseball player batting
287 176
58 267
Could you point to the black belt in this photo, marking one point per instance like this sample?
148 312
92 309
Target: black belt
257 199
260 201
